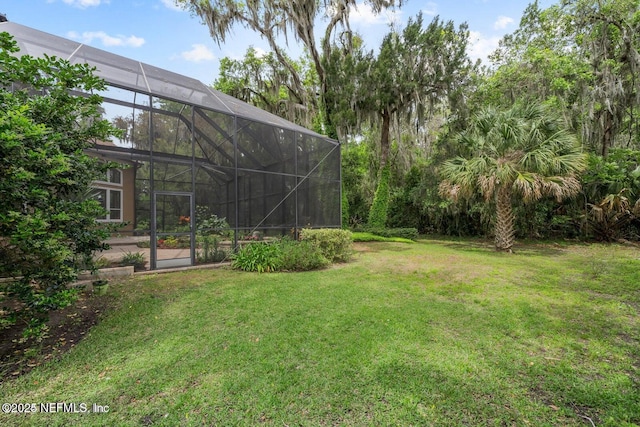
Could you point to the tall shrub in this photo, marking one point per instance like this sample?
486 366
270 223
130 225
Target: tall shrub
48 226
345 209
336 245
380 206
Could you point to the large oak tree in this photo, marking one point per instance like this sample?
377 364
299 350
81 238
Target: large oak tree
299 19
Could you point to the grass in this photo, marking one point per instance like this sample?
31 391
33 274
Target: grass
441 333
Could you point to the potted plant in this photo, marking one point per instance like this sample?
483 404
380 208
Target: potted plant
100 286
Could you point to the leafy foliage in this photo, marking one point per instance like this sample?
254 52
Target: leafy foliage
273 19
345 208
365 236
612 189
208 222
380 205
580 57
336 245
609 218
358 180
282 255
261 257
302 255
209 249
135 259
48 225
405 233
417 203
415 71
261 80
619 171
405 102
606 34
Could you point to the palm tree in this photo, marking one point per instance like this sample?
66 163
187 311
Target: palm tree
521 152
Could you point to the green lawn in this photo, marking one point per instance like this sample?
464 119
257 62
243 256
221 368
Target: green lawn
431 333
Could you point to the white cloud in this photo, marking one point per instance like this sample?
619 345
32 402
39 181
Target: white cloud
84 3
171 4
430 9
503 22
260 52
199 52
362 14
88 36
480 46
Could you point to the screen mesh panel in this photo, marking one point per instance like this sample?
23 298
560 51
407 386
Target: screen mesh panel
187 142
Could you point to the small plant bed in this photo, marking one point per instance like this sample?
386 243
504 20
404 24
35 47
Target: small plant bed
211 249
135 259
65 329
315 250
171 242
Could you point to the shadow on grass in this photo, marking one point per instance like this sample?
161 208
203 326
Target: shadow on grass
486 247
376 247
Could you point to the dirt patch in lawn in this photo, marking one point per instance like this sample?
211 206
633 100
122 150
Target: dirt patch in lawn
366 247
66 328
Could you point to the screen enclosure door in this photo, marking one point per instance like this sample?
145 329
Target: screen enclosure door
173 241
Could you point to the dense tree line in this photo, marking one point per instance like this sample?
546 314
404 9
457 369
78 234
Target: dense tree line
431 130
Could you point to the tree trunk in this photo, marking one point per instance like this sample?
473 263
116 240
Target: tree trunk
504 220
380 205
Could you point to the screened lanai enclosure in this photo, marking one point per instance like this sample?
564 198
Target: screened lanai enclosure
201 171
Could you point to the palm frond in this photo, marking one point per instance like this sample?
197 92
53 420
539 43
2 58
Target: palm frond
636 208
529 185
561 187
449 190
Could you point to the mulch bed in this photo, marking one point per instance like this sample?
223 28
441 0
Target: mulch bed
67 327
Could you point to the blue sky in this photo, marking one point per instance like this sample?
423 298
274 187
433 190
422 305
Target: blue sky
158 33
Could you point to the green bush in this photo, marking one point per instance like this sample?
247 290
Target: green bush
261 257
380 205
406 233
102 262
335 244
136 259
284 255
143 226
345 209
209 249
144 244
363 236
209 223
302 255
48 221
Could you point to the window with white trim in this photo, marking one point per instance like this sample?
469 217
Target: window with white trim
113 176
109 198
